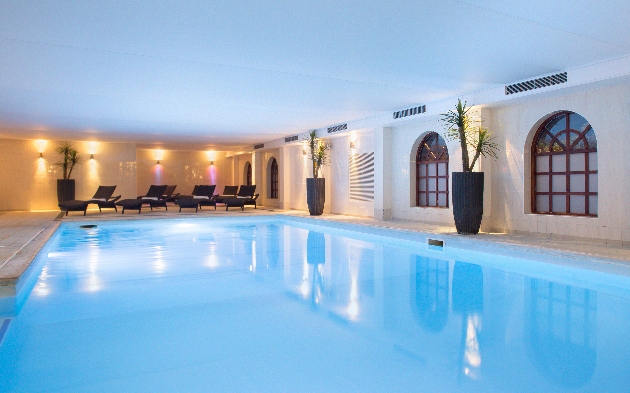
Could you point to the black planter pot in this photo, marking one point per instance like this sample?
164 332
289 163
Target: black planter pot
65 190
315 195
468 201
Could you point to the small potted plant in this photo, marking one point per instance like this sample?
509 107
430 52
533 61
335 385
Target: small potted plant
65 186
316 186
468 185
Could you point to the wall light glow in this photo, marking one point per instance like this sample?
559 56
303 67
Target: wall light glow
40 145
92 148
158 154
212 173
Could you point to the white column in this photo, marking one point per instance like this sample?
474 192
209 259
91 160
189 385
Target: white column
383 173
284 174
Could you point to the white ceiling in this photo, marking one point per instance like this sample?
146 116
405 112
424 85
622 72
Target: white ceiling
228 73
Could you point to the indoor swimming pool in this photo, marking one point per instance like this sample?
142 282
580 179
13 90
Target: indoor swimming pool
275 304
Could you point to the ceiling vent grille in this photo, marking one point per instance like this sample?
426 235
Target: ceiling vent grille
537 83
259 146
291 139
410 112
340 127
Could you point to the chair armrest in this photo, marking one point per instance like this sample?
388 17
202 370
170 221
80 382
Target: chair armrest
114 199
255 197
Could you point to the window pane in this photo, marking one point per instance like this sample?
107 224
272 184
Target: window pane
576 161
542 164
542 203
432 168
578 183
559 183
577 204
592 204
422 184
577 122
557 125
432 184
558 146
592 183
559 163
423 169
542 183
544 142
423 199
592 161
590 139
559 204
442 200
442 169
432 199
442 184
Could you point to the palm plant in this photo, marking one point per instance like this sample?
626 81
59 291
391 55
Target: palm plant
462 128
70 158
319 152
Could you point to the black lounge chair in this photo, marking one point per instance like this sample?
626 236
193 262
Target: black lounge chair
244 197
168 194
202 196
228 192
103 198
154 197
130 204
194 192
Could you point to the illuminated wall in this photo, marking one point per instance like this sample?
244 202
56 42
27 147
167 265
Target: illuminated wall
29 182
182 168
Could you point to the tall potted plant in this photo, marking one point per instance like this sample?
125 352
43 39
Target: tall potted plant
468 185
65 186
316 186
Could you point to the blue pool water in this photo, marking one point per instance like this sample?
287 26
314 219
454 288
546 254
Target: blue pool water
277 305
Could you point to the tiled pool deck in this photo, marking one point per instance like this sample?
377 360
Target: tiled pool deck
22 235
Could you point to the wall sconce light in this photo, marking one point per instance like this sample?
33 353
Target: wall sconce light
211 162
352 145
41 155
158 162
91 156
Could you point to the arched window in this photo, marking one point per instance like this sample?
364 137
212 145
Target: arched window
273 194
248 173
564 167
432 172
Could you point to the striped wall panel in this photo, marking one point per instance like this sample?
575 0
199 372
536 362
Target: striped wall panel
362 177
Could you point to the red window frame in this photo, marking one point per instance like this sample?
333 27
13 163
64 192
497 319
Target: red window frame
274 179
432 152
564 142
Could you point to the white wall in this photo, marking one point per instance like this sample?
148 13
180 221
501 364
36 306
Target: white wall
262 176
507 190
404 146
607 110
340 171
239 177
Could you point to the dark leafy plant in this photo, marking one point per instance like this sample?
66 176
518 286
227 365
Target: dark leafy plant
319 152
70 158
461 128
